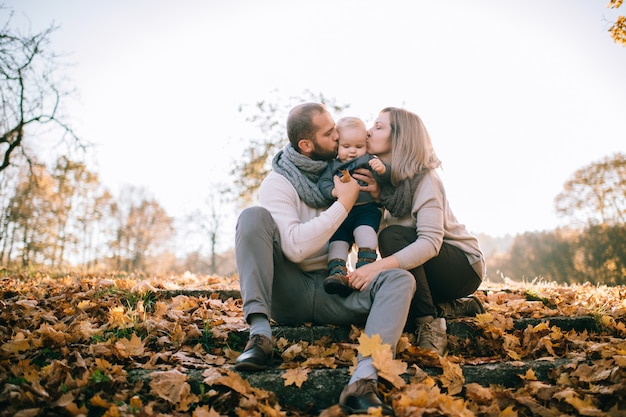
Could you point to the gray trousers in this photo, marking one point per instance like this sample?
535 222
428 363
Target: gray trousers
274 286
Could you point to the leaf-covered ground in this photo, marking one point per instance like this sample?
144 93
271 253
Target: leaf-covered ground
69 343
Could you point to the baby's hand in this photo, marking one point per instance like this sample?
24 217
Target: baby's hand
377 165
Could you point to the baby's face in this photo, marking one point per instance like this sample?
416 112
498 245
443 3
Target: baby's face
352 143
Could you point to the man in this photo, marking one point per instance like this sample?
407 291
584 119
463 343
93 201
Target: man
281 249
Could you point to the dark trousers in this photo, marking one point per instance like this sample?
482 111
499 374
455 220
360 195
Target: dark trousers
445 277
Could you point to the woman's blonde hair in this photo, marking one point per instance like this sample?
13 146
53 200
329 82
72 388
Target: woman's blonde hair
411 148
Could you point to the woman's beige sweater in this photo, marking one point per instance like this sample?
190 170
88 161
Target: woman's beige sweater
435 223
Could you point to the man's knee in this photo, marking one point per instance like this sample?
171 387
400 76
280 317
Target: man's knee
400 280
252 217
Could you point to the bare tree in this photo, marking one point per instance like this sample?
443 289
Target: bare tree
30 93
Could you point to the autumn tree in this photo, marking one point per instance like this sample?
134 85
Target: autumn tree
48 216
618 30
31 93
269 117
78 205
143 230
549 255
595 194
30 222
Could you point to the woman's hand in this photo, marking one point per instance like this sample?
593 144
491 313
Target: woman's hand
372 187
361 277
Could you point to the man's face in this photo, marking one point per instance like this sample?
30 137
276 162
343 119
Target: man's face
326 139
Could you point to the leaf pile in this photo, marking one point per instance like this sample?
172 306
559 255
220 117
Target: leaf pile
74 345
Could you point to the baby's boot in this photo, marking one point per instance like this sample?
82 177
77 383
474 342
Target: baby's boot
336 282
365 256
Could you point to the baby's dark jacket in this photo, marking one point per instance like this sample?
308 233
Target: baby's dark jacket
326 183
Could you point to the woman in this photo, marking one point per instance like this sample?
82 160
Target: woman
422 235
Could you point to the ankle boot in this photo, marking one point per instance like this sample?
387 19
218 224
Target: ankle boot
336 282
365 256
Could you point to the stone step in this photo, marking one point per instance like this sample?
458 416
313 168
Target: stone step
461 328
323 386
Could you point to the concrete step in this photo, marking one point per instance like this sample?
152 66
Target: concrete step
323 386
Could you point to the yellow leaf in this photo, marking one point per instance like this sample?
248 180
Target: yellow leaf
86 305
452 377
389 368
113 411
508 412
583 407
19 343
369 345
296 376
513 355
135 401
478 393
97 401
204 411
291 352
529 375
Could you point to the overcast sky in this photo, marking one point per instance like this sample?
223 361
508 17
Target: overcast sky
516 95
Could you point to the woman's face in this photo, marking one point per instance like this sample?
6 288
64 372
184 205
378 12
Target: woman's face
379 143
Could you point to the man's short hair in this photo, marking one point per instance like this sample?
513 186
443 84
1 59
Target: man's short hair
300 122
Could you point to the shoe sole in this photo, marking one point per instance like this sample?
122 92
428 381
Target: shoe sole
349 411
248 366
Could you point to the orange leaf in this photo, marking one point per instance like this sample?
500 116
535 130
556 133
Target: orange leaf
234 381
172 386
452 377
97 401
130 348
529 375
296 376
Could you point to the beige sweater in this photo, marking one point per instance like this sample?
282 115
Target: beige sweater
435 223
304 231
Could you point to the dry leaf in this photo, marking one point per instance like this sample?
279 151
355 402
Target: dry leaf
296 376
452 377
132 347
389 368
369 345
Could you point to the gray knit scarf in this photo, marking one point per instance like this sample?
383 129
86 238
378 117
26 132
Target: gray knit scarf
303 173
399 200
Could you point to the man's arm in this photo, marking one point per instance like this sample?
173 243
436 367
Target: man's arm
304 230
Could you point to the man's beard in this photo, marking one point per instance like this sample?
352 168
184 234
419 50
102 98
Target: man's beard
319 154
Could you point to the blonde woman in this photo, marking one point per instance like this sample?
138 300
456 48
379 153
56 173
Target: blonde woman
421 234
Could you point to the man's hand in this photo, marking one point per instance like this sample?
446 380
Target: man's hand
372 187
346 192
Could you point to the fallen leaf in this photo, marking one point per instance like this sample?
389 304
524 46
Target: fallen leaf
369 345
389 368
296 376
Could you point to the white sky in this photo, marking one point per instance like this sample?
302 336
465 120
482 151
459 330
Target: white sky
516 95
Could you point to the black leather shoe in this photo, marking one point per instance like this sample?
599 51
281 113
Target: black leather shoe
257 354
461 307
337 284
362 395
